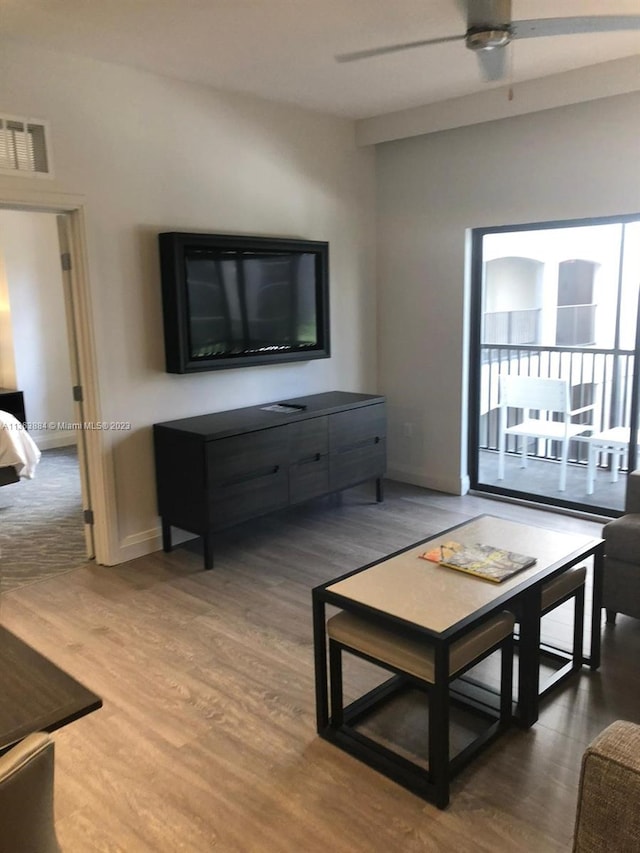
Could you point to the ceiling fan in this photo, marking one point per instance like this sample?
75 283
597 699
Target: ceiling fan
490 29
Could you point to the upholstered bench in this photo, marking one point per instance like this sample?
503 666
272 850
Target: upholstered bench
415 661
568 585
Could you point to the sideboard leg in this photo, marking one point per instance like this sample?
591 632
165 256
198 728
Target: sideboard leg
166 536
207 540
379 490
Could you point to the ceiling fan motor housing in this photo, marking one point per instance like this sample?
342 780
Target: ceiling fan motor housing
488 24
487 39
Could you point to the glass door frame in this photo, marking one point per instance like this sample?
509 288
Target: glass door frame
475 365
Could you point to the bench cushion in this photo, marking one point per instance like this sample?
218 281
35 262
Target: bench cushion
410 655
564 584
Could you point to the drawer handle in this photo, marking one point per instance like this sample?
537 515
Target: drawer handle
251 475
309 460
359 445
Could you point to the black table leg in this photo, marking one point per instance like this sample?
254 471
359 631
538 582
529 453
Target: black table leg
166 536
529 658
207 541
439 768
596 607
320 658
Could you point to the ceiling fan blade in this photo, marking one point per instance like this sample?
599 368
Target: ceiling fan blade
493 63
393 48
571 26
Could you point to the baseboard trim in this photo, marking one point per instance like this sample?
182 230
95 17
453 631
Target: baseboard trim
146 542
49 441
448 485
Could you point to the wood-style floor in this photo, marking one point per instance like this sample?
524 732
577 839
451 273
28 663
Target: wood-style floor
207 742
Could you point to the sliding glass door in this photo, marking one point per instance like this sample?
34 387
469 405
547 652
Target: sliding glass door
553 364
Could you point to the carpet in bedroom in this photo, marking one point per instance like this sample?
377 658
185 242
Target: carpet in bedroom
41 526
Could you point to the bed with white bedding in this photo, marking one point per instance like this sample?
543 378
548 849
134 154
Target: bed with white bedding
19 454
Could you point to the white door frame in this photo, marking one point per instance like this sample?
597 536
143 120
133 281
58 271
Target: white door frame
100 475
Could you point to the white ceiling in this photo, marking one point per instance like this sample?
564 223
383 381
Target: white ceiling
284 49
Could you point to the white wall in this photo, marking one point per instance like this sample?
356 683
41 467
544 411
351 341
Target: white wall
7 357
29 245
150 154
512 284
573 162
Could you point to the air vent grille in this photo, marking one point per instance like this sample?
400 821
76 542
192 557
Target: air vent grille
24 147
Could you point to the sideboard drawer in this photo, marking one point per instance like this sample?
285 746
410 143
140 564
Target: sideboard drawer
240 457
353 465
252 496
308 438
357 427
309 478
357 440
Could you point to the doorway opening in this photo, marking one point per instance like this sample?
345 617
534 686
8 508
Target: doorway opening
554 361
45 523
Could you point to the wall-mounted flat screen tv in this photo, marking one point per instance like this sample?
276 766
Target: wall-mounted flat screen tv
234 301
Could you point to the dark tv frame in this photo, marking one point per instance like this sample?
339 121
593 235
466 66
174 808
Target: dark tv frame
175 305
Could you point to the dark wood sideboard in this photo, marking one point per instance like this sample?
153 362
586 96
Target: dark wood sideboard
217 470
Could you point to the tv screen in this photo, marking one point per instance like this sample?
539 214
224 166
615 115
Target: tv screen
232 301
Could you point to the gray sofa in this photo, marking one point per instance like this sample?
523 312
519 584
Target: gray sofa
621 593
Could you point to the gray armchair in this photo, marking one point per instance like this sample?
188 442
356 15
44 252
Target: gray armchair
607 817
621 593
26 797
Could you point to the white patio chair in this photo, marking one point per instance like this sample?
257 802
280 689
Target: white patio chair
548 397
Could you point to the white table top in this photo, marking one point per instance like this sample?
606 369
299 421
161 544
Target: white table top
612 437
437 598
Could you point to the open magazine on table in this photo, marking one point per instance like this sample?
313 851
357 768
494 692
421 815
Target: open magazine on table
485 561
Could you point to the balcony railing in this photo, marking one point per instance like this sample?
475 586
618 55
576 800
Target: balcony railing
575 325
511 327
600 377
